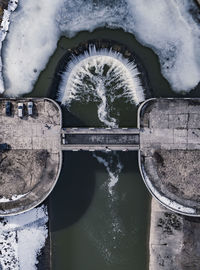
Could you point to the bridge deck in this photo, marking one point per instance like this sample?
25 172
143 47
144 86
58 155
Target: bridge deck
122 139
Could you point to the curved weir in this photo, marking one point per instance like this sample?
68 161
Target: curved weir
103 76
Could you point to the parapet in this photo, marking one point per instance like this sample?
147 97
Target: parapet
30 153
169 155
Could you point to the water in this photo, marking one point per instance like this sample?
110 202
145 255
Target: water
96 225
93 228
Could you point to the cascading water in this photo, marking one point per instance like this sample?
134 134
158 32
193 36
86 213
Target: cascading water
101 76
113 167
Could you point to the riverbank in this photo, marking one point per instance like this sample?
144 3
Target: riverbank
174 240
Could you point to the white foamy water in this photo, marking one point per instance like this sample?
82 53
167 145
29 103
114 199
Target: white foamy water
166 26
113 167
102 76
21 239
108 231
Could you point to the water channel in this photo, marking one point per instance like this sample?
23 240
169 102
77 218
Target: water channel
92 228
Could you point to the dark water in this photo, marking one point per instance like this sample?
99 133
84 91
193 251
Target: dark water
92 229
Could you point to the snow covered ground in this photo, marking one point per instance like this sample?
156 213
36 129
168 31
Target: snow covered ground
21 239
12 5
167 26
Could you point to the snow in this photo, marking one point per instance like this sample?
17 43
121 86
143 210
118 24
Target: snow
13 198
164 200
165 26
12 5
22 238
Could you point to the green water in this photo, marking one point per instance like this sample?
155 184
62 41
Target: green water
91 229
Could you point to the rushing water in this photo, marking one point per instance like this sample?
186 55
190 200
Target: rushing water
103 76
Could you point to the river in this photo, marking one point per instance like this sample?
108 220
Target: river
92 228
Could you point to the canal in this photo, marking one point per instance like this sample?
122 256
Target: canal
95 224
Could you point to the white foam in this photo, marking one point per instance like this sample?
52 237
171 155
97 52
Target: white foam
120 79
21 239
113 167
121 74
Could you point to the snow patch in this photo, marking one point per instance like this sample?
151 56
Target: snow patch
12 5
21 239
13 198
164 200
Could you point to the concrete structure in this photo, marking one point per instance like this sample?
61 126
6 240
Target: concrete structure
169 155
97 139
30 168
167 140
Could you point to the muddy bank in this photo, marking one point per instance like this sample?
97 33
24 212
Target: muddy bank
174 240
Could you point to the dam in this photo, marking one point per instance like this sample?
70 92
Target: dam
167 139
100 139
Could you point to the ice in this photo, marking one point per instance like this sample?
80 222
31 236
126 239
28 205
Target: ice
165 26
35 34
12 5
21 239
170 30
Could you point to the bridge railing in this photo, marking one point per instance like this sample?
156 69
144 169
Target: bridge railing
98 139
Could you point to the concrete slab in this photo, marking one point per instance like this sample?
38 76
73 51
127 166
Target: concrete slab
31 166
169 158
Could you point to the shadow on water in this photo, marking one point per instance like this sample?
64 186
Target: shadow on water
74 190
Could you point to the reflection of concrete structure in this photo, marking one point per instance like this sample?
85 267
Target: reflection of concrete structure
170 152
30 168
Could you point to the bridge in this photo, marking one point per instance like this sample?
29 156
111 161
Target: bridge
98 139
